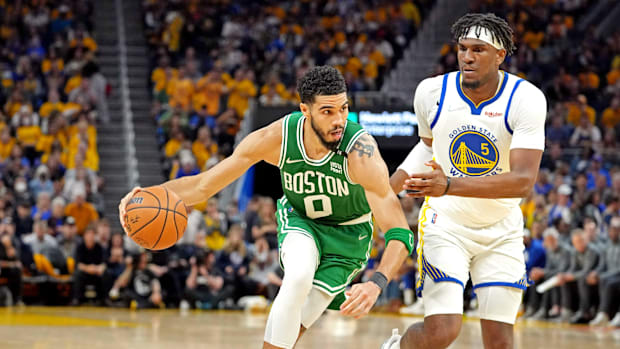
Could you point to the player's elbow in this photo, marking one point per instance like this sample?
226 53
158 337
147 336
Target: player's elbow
524 184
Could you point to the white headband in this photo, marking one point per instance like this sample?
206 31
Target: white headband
482 34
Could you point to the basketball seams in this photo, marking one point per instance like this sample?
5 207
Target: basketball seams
165 219
174 218
163 209
152 219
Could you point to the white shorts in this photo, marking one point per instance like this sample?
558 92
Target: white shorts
449 253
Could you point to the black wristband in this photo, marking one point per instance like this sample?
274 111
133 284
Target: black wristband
379 279
447 186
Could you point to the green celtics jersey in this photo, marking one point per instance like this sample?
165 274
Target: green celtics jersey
320 189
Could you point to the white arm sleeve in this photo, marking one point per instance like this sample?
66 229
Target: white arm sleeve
528 120
419 155
425 104
423 96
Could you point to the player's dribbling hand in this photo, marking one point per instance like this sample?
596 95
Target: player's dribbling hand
360 299
123 204
431 183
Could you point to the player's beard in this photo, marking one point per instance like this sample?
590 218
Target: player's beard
472 85
333 146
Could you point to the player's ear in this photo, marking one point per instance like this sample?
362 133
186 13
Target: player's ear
305 109
500 56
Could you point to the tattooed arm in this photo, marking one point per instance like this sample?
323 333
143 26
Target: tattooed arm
367 168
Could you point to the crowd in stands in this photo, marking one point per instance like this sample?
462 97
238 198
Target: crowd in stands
51 96
211 59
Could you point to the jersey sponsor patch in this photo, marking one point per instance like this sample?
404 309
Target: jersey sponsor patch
473 153
335 167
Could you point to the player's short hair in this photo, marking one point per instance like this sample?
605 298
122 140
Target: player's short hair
499 28
320 81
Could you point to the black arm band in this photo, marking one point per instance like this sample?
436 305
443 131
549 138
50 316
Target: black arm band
379 279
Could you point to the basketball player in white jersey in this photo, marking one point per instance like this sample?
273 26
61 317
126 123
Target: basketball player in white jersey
482 138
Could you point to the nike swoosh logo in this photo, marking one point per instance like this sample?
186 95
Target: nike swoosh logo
289 161
362 237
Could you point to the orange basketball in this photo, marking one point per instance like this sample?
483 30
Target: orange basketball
156 218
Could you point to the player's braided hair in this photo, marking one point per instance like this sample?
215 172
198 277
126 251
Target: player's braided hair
320 81
498 27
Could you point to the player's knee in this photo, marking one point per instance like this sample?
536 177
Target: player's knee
299 280
441 330
500 342
447 334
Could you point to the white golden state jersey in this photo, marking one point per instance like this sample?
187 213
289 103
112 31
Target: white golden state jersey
472 140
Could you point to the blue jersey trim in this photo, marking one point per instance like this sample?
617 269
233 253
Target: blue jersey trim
505 284
477 109
444 84
508 107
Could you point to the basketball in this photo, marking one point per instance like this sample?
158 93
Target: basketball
156 218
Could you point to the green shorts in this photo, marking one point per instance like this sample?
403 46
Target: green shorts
343 249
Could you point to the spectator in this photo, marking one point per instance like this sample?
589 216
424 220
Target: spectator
58 212
42 210
115 262
39 239
215 222
607 277
561 210
263 266
104 233
234 260
611 115
242 88
41 182
68 239
558 258
596 169
90 267
23 219
187 165
205 287
10 264
162 264
575 290
83 211
535 257
586 134
204 147
139 285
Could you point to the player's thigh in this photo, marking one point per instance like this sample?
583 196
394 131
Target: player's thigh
443 271
499 279
502 265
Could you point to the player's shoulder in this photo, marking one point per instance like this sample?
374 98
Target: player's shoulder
431 85
527 90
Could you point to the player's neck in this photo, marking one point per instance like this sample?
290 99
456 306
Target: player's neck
312 143
485 91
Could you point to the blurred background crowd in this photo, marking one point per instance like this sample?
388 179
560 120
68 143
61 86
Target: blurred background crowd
210 60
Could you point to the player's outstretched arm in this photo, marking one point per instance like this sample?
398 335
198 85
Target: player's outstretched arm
262 144
367 168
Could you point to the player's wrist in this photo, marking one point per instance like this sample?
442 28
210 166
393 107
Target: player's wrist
448 181
379 279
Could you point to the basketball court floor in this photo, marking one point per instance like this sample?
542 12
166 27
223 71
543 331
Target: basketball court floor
91 328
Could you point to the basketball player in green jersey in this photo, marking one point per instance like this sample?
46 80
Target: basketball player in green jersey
332 176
